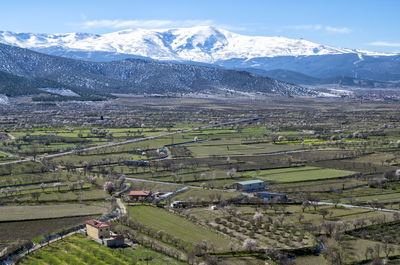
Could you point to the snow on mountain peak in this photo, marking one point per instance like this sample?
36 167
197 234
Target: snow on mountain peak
202 44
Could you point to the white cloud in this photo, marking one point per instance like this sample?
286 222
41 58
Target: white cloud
154 24
338 30
119 24
317 27
384 44
304 27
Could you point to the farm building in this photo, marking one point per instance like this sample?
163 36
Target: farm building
114 241
249 186
97 229
139 194
178 204
138 163
100 231
272 196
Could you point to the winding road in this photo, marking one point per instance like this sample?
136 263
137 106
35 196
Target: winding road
121 206
356 206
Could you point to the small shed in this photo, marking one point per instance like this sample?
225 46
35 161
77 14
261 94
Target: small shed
250 185
138 163
178 204
272 196
114 241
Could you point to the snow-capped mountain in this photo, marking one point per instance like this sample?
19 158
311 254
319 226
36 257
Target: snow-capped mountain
200 44
214 46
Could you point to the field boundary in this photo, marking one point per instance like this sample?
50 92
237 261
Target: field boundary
44 219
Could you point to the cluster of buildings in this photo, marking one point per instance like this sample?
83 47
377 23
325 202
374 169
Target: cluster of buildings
145 195
100 231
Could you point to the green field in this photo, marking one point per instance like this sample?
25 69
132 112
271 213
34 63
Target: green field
199 195
298 174
234 147
160 219
78 249
310 260
334 151
13 213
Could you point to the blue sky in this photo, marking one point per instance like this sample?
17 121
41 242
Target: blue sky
362 24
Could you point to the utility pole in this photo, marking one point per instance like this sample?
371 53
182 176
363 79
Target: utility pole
80 188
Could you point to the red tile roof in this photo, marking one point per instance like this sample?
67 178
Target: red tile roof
117 236
139 193
97 224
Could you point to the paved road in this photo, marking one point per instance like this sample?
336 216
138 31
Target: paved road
132 141
121 206
8 154
356 206
12 137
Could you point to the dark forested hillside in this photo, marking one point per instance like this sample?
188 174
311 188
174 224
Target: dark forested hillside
13 85
138 76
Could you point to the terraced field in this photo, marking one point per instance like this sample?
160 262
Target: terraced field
235 147
78 249
298 174
14 213
181 228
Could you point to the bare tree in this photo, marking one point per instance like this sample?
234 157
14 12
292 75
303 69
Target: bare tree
233 248
231 173
300 217
387 248
396 216
35 195
305 205
323 213
57 185
250 245
334 256
258 217
109 187
72 186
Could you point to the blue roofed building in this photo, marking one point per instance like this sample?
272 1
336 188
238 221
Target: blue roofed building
250 185
272 196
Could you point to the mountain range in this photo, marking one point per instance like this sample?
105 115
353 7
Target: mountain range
201 44
302 79
138 76
218 48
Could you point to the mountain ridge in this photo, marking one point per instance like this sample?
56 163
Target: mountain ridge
202 44
217 47
302 79
139 76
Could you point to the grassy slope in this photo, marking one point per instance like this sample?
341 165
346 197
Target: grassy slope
299 174
177 226
11 213
28 230
77 249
